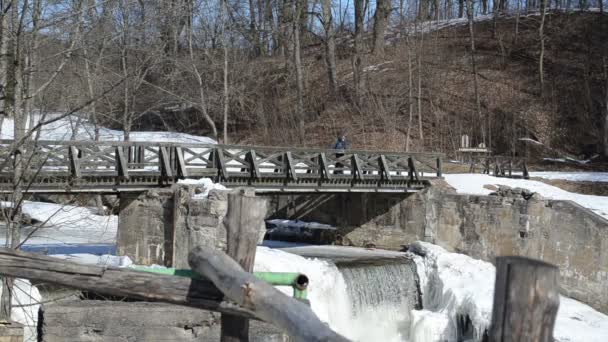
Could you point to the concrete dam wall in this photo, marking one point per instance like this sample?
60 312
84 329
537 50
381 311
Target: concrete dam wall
559 232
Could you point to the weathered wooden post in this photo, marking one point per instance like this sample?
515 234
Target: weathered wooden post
439 167
243 220
526 299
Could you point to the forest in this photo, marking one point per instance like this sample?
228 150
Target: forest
402 75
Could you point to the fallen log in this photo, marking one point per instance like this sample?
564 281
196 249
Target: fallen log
264 301
118 282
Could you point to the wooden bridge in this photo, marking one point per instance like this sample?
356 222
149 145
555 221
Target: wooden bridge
114 166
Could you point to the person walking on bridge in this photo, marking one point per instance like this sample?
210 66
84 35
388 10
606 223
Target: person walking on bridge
340 146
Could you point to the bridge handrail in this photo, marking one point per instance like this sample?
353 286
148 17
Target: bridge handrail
223 146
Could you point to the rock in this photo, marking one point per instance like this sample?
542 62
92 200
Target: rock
516 193
490 187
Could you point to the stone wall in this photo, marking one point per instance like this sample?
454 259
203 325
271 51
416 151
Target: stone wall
152 230
559 232
110 321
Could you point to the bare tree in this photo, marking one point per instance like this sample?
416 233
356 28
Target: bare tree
330 47
470 13
605 106
297 11
383 10
541 35
226 87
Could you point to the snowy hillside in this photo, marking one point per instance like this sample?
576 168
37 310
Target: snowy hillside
63 129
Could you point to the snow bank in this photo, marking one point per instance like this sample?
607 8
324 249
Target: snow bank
470 183
25 301
573 176
60 223
63 130
454 284
205 183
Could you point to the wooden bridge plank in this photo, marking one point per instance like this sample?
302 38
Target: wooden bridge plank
182 172
74 162
324 167
220 163
356 168
121 164
384 168
254 170
412 172
165 164
290 170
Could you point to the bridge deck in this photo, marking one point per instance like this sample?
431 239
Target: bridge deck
112 166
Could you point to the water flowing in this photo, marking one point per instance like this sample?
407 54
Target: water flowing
363 303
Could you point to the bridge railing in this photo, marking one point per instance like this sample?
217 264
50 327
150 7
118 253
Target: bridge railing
78 163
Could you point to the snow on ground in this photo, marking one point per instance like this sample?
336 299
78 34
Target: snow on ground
64 128
573 176
65 224
471 183
454 284
25 305
207 185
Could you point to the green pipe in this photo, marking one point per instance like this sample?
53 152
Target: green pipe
298 281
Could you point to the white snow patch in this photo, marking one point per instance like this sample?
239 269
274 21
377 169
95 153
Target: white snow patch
63 130
470 183
573 176
205 183
454 284
26 302
66 224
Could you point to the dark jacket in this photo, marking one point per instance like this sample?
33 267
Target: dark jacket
341 144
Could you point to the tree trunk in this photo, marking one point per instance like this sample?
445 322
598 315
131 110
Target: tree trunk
606 107
541 35
410 95
226 88
253 32
461 8
357 63
474 70
330 48
14 97
383 10
421 51
298 67
517 22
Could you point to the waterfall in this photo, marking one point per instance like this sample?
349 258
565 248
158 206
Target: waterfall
381 285
384 295
363 303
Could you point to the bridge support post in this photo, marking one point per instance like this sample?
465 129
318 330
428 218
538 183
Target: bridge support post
161 226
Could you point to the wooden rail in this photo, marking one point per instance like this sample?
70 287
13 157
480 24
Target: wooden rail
114 166
501 166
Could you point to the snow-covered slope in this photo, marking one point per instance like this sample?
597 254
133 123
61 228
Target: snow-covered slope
454 284
66 224
573 176
471 183
64 128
